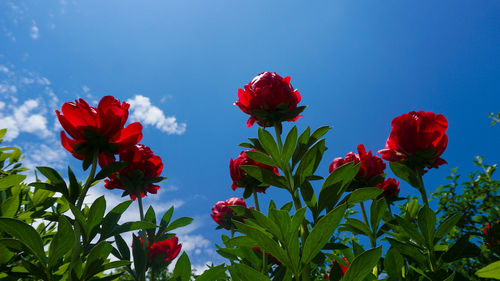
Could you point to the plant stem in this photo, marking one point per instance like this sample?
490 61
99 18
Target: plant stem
277 130
141 211
422 188
256 201
372 236
89 181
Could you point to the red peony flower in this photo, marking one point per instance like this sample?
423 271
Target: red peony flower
492 235
164 251
372 167
137 178
270 259
100 128
240 177
222 214
417 137
344 268
269 99
390 187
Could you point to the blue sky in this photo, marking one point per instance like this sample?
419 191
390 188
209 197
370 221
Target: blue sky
357 66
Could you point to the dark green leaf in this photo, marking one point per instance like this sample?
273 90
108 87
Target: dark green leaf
321 233
182 270
246 273
405 173
265 176
96 213
96 258
301 147
112 217
377 211
289 146
446 226
165 220
129 226
62 242
109 169
123 248
74 187
180 222
139 254
267 141
427 224
363 265
310 161
26 234
463 248
335 184
362 194
261 158
213 274
393 264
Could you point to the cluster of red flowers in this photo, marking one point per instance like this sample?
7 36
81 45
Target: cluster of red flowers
100 132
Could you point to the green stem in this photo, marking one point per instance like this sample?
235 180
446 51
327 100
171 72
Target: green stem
422 188
277 129
256 201
373 242
141 210
90 180
372 236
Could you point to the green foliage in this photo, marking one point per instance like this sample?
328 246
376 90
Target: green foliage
476 199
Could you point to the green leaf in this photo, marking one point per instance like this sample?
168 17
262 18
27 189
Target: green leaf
112 217
492 270
213 273
393 264
96 213
362 194
165 219
463 248
412 209
9 207
363 265
301 146
358 226
109 169
26 234
335 184
180 222
411 230
446 226
265 176
427 224
129 226
289 146
246 273
96 258
74 188
139 254
405 173
263 239
321 233
11 180
310 161
123 248
62 242
410 251
182 270
268 143
307 192
261 158
2 133
377 211
5 254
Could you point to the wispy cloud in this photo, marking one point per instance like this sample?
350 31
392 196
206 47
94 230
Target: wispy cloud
34 31
143 111
25 118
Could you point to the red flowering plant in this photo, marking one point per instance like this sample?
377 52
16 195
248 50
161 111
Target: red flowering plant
269 99
223 214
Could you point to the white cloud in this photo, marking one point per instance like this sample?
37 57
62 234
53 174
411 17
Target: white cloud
44 155
148 114
34 31
23 119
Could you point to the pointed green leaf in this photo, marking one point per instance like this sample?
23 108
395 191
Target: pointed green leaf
267 141
403 172
62 242
11 180
289 146
321 233
261 158
182 270
363 265
445 227
427 224
213 273
180 222
26 234
112 217
492 270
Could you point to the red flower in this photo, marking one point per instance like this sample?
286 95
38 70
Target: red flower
418 137
390 187
344 268
240 177
269 99
164 251
100 128
372 166
270 259
137 178
492 234
222 213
